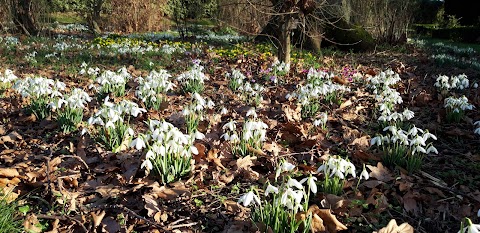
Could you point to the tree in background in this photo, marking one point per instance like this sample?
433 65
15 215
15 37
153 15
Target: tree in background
183 10
466 10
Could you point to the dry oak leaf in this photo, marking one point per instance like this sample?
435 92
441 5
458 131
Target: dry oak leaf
292 111
392 227
97 217
233 206
380 172
330 222
9 172
272 148
212 156
163 192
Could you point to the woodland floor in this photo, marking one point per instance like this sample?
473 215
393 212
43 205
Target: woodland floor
71 183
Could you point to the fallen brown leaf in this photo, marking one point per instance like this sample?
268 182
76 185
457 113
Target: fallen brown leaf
9 172
380 172
330 222
392 227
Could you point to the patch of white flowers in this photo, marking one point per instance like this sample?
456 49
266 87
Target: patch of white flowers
252 136
151 89
112 82
319 86
194 79
456 107
383 79
405 148
446 83
252 93
235 79
194 112
280 68
41 91
112 123
69 109
90 71
281 204
6 79
168 150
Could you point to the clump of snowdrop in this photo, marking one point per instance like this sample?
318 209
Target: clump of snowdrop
321 120
193 80
252 94
388 117
388 98
69 109
445 83
235 79
280 68
335 170
112 82
92 72
152 89
280 205
6 79
250 138
319 87
31 58
195 112
383 79
41 91
168 151
111 123
404 148
456 108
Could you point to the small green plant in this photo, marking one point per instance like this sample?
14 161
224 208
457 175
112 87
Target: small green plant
335 170
112 124
282 204
456 108
41 91
153 88
193 80
168 151
70 109
466 226
404 148
251 137
194 113
9 219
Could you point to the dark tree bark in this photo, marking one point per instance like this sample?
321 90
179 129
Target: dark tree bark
23 16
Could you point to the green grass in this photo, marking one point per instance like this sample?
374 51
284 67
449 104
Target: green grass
66 17
431 41
8 217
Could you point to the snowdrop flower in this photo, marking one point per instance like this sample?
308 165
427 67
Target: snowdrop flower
199 135
285 166
251 112
138 143
471 228
311 183
230 125
294 183
247 198
364 174
376 141
271 189
223 111
147 164
431 149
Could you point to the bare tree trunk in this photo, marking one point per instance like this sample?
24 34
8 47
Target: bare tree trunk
23 16
285 40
